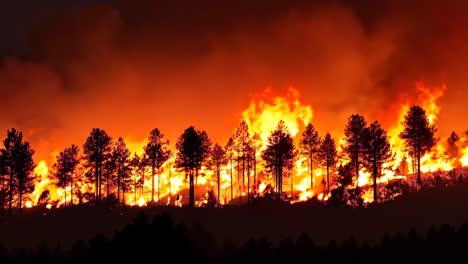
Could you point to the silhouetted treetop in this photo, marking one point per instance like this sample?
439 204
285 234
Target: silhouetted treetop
16 158
418 134
354 137
193 149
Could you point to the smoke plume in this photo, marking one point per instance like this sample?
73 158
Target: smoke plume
130 66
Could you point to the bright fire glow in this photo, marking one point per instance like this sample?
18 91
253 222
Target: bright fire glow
262 116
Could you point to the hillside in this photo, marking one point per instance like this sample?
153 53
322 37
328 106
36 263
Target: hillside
419 210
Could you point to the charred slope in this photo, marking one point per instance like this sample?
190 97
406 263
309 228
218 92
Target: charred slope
270 220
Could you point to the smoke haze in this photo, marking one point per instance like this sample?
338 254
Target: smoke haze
130 66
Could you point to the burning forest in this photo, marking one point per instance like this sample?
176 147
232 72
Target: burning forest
259 120
274 153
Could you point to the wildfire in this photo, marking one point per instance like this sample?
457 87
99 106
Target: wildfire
464 159
266 111
43 181
141 202
262 116
435 159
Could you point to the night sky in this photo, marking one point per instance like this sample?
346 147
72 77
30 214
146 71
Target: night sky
128 66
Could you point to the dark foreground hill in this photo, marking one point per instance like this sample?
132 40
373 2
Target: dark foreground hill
273 221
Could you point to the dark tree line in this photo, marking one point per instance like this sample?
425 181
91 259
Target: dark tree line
109 164
241 152
160 238
367 146
113 162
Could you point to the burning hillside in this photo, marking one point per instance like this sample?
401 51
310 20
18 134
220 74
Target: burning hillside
134 178
128 67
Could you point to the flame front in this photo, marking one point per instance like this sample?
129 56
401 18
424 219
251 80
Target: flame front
267 110
262 116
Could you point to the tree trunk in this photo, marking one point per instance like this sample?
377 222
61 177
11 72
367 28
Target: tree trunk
238 178
276 178
107 187
311 171
100 182
3 193
159 191
248 180
71 189
328 179
10 191
191 189
96 182
375 180
232 190
356 156
419 165
135 191
152 182
20 190
170 176
142 189
255 173
280 166
123 197
65 194
219 181
243 172
292 186
118 185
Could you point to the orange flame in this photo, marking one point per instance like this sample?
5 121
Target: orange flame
262 116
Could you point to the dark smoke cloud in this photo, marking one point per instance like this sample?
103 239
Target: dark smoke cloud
129 66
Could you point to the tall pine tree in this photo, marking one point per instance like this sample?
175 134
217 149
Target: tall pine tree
157 153
121 159
230 156
17 159
355 136
309 145
97 149
65 167
377 151
418 134
218 159
279 155
327 155
193 148
241 147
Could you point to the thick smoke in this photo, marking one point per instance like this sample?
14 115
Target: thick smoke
130 66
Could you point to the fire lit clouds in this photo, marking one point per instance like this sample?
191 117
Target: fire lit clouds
128 67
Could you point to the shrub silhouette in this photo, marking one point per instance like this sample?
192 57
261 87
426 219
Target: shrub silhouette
161 239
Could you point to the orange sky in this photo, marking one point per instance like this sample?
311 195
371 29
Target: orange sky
128 71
